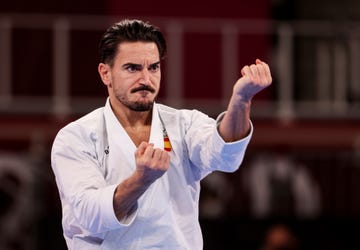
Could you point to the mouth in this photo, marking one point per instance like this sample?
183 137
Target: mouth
143 90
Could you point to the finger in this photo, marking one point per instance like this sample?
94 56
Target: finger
266 70
163 158
255 71
245 71
149 151
157 155
161 155
262 74
141 149
242 72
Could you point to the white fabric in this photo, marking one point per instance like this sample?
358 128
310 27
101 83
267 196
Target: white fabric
92 155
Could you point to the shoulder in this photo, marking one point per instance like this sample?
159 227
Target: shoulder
89 121
87 126
167 110
186 117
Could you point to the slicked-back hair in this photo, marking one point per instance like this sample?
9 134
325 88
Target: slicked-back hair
129 30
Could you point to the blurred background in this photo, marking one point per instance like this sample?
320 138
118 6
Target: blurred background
297 187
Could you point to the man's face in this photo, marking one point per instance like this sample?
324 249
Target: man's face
134 79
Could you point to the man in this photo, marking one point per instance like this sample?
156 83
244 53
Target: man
129 173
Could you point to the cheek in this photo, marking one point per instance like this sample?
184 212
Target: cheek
122 86
156 79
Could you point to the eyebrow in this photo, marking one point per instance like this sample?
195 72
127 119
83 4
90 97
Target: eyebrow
138 66
154 64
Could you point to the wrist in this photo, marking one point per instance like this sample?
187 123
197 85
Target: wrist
239 102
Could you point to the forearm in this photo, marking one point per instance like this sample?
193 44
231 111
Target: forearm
151 164
126 196
236 122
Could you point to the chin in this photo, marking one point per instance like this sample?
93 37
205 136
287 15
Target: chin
140 106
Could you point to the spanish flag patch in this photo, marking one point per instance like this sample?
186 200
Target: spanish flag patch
167 144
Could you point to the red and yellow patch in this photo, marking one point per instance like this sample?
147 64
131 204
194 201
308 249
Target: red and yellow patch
167 144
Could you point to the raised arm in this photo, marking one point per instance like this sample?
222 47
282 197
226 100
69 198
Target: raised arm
236 122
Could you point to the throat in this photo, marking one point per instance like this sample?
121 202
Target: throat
136 124
138 135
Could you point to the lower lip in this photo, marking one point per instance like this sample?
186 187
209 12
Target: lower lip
143 92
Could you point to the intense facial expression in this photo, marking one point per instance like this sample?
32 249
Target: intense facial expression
134 78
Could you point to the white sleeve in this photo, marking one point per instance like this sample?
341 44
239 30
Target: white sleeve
84 193
208 151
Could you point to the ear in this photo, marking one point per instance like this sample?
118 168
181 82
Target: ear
105 73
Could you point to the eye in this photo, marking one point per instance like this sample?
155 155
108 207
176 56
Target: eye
154 67
130 67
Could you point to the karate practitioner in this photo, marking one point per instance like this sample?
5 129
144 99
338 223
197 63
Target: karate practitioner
129 173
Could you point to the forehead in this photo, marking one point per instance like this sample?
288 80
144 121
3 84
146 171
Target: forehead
135 51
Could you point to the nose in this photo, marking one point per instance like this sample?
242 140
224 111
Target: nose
145 77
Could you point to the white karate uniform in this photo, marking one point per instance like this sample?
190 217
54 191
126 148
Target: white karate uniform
93 154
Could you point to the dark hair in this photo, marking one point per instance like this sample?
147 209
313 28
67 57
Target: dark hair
129 31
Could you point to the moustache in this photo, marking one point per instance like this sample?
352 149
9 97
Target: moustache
143 88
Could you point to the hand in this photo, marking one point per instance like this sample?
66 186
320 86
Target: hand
255 78
151 163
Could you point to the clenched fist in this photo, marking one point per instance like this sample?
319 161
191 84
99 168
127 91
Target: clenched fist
151 163
255 77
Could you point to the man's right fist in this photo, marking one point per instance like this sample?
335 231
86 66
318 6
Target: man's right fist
151 163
